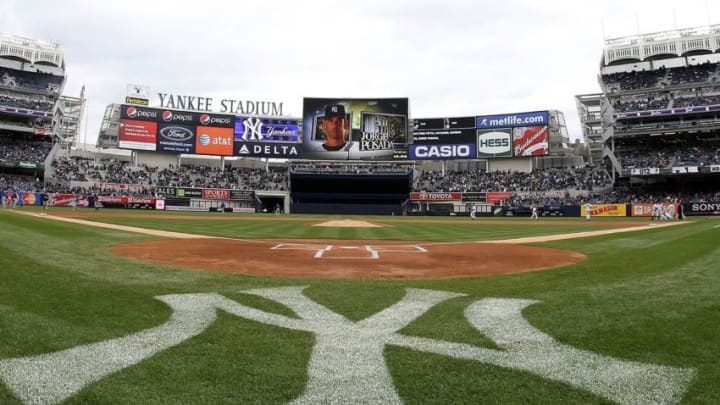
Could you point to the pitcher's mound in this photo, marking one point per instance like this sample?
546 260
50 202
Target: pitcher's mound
348 223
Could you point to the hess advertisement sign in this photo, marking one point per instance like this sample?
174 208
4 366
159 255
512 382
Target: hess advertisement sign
494 143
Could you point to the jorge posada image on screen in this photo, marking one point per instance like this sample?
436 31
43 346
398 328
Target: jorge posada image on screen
382 131
335 128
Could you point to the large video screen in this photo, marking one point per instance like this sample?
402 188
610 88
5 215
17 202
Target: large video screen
448 130
368 129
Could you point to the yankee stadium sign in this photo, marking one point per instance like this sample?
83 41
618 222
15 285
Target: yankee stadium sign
229 106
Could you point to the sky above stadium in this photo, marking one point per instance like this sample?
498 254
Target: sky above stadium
450 58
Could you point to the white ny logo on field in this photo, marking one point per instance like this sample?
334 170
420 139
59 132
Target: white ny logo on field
347 363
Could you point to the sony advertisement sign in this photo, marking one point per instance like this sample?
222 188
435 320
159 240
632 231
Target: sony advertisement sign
226 105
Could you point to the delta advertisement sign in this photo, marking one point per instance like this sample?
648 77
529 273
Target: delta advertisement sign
267 137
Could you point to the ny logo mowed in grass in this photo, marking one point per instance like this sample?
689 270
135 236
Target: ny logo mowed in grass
347 363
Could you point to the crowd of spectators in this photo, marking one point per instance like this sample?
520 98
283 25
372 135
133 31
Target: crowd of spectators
32 80
15 182
38 103
636 80
20 149
645 195
644 104
692 74
648 79
68 169
538 180
697 101
237 178
674 152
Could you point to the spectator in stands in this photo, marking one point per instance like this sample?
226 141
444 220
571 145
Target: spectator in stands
335 127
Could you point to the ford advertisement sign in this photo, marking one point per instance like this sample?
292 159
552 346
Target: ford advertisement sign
173 138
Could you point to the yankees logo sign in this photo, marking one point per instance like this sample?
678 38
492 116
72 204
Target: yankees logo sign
347 363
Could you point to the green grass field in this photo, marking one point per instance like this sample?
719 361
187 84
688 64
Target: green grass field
638 322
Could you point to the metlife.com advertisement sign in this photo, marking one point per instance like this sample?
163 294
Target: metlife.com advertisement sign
536 118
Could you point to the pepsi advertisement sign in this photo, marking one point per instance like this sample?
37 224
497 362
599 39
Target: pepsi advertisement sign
430 152
132 112
166 116
255 129
537 118
216 120
176 138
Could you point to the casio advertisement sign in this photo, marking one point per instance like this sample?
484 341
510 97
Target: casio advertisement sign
429 152
494 142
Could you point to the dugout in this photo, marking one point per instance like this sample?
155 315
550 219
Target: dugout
363 193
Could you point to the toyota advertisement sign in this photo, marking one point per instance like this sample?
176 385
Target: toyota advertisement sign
433 196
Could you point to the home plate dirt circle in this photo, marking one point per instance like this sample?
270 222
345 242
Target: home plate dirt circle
354 259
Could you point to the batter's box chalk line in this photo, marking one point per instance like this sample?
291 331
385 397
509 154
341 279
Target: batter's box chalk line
330 251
